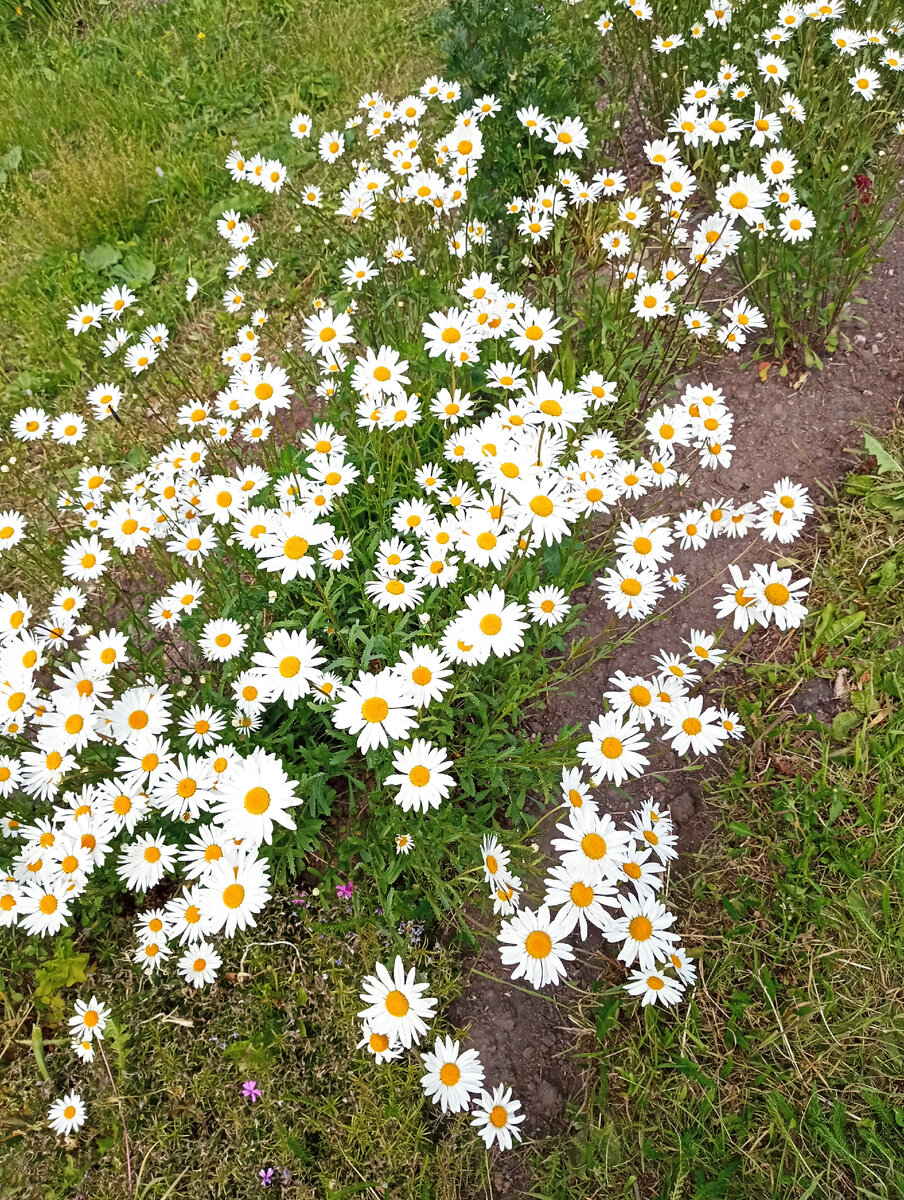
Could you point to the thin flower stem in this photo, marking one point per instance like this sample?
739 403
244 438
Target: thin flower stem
122 1118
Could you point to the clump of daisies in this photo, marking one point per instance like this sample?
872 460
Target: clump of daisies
395 1020
86 1030
756 124
354 584
608 877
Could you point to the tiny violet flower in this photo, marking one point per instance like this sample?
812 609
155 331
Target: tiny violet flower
266 1176
250 1091
345 890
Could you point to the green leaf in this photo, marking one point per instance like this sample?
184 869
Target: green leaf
881 455
240 204
11 159
844 626
37 1046
606 1015
844 723
101 257
823 622
135 268
741 828
53 976
859 485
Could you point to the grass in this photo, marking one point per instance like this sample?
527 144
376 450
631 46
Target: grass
783 1077
139 105
283 1015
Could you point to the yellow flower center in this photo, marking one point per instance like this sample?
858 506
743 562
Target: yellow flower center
490 625
295 548
538 943
374 710
594 846
611 747
397 1004
257 801
640 928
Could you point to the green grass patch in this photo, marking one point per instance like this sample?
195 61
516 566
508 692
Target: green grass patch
330 1122
123 120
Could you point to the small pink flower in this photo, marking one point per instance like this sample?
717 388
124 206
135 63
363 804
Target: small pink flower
251 1091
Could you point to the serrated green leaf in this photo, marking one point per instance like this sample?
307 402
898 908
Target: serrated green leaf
844 626
885 461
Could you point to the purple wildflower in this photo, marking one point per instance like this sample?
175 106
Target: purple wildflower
251 1091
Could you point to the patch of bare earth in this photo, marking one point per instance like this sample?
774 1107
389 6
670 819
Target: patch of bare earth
808 433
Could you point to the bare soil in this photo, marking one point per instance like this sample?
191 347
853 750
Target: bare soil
806 428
